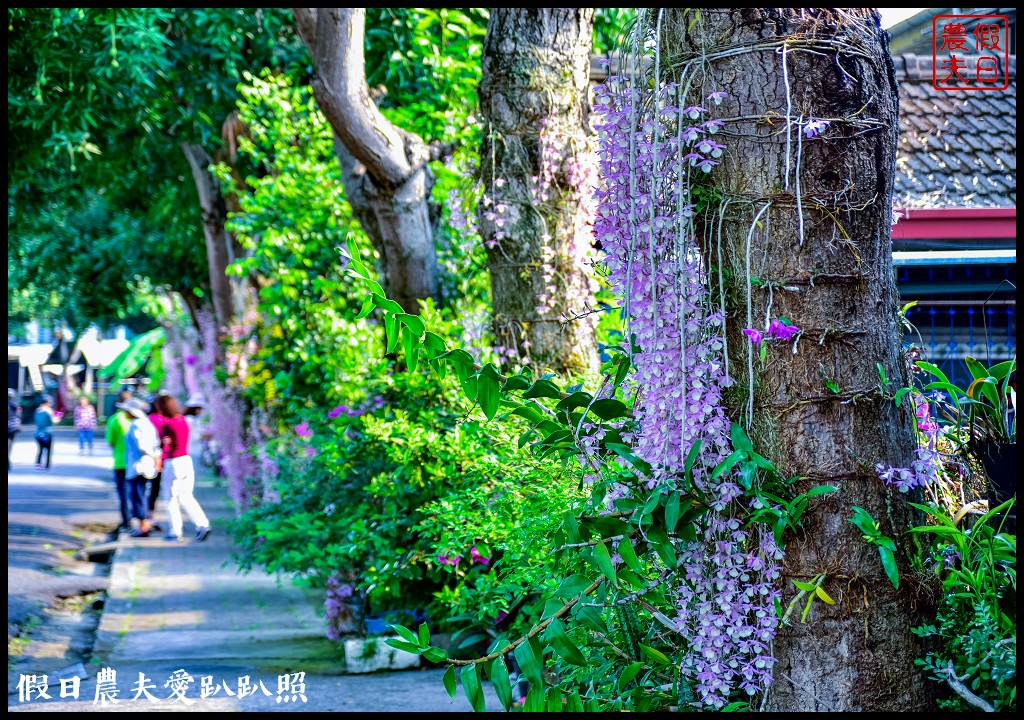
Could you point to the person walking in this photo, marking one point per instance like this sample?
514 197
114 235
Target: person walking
85 424
179 472
13 422
117 428
154 484
141 457
193 410
44 438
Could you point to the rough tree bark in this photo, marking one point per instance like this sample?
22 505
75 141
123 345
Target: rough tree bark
215 215
389 163
534 100
834 280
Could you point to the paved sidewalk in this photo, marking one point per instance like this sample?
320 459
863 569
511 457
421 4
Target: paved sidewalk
47 513
184 606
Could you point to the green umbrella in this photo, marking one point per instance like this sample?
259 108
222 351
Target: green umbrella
131 360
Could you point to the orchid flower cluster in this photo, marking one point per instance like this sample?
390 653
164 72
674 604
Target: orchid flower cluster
927 464
726 595
339 594
475 556
226 422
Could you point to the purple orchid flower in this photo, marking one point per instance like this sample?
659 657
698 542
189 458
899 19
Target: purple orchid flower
303 430
475 555
815 127
778 330
337 411
755 335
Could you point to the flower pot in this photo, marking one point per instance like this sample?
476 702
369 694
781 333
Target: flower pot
1000 463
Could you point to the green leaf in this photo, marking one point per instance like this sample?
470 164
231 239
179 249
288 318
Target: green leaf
406 633
627 675
516 383
502 686
898 397
628 554
576 400
889 563
573 703
543 389
424 634
929 368
609 409
626 454
622 370
590 617
556 636
805 586
824 596
833 388
411 343
530 664
691 458
728 463
412 322
470 675
389 306
488 395
391 332
458 357
820 490
572 586
863 520
403 645
435 655
663 546
449 682
535 702
367 308
603 561
554 701
740 441
433 344
652 502
672 512
656 655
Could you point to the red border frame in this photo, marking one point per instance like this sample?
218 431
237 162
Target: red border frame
1006 52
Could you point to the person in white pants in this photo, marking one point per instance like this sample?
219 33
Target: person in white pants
179 472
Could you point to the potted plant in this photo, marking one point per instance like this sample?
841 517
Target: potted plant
986 419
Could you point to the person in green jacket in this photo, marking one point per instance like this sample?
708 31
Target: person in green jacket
117 428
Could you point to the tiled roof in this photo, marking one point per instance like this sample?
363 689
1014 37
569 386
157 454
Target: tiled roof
957 148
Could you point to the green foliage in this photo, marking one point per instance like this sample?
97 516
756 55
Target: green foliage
983 411
873 535
976 621
611 28
428 60
99 106
587 612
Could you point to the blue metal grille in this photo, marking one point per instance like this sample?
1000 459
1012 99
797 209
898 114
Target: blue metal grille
962 311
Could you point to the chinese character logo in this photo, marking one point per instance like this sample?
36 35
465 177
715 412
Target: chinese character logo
970 52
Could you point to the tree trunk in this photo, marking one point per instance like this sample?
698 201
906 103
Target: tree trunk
814 230
388 163
215 215
536 218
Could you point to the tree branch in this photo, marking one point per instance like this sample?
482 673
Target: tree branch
536 630
305 25
964 692
389 154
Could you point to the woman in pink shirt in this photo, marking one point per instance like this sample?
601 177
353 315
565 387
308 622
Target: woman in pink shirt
179 473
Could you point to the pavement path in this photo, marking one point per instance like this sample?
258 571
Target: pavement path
45 515
184 607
